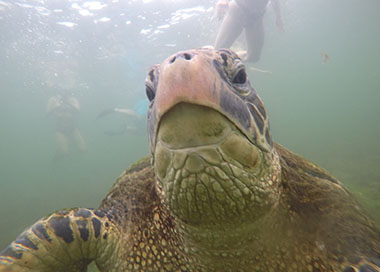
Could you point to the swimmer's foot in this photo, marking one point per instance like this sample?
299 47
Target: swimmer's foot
255 69
242 54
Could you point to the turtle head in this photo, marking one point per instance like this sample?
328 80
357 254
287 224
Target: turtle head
210 140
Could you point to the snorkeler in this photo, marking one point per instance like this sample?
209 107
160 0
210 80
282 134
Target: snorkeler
134 120
247 15
64 108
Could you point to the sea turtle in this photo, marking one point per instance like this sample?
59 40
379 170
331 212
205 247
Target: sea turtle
216 194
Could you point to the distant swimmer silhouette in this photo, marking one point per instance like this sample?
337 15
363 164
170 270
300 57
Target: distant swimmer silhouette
64 108
134 120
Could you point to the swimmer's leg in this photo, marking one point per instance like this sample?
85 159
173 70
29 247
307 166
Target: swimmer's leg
62 144
231 27
255 40
79 140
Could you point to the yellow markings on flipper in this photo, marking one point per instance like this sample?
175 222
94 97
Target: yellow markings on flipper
65 241
362 264
31 249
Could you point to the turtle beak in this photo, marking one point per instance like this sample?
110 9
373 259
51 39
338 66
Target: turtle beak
186 77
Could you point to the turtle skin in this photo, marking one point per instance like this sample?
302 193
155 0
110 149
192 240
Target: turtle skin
216 194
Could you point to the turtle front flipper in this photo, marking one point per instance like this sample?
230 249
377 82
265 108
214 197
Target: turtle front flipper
67 240
363 265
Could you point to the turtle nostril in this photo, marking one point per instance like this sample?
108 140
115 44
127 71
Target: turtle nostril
172 60
187 56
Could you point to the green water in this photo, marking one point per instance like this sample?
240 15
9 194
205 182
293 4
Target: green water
328 113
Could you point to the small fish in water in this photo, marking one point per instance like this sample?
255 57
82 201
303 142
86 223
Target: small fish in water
325 57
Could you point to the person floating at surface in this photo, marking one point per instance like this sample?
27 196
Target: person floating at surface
64 108
247 15
134 121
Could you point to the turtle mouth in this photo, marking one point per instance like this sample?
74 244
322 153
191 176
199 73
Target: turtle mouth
189 125
196 130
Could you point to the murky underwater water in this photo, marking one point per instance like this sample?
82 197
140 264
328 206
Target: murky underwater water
327 112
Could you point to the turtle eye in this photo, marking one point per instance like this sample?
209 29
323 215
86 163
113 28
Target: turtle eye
149 93
150 83
151 75
240 77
